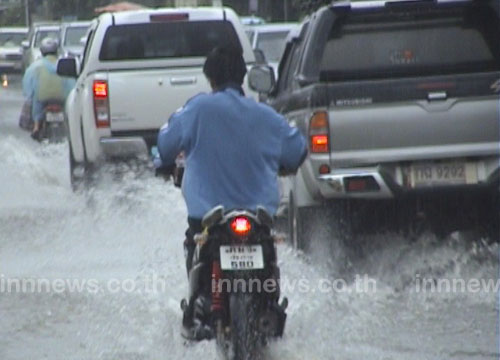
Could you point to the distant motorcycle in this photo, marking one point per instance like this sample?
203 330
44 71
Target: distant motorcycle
53 127
235 258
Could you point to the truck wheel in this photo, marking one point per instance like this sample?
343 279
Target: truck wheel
331 222
299 226
78 171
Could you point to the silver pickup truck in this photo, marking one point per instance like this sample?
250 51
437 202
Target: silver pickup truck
400 103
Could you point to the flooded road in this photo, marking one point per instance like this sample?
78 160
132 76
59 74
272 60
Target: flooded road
100 274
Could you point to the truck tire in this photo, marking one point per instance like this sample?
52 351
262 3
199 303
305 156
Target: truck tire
299 224
331 222
78 171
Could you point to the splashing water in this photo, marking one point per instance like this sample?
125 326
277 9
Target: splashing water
128 230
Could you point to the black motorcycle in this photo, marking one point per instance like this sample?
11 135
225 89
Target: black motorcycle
52 126
234 284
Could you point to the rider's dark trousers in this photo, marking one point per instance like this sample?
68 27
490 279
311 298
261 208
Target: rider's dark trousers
189 243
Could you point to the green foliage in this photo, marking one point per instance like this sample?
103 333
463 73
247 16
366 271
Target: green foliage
308 6
13 16
84 9
81 9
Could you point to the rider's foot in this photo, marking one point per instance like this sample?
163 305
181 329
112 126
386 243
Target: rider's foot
197 332
193 328
35 135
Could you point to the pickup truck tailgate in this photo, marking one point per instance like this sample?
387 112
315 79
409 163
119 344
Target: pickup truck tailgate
406 120
145 99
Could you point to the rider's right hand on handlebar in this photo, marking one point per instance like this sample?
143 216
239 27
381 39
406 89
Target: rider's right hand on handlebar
286 172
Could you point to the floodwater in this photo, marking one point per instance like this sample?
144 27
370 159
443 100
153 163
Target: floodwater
100 274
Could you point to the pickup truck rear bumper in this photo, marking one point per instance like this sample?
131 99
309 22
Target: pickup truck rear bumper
390 180
113 147
335 183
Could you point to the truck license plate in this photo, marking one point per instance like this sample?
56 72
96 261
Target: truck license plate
429 174
241 257
54 117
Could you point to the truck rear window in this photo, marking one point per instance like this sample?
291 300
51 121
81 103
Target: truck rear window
400 43
166 40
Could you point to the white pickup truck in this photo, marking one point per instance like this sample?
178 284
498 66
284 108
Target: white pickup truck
138 67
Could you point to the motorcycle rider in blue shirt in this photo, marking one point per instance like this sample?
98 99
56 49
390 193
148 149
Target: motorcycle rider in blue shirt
234 147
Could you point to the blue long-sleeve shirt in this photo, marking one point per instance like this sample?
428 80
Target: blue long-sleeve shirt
234 148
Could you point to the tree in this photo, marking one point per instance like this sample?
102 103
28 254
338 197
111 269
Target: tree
81 9
12 16
84 9
308 6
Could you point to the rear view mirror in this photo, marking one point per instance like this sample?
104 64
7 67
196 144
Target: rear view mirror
260 58
261 78
25 44
83 40
67 67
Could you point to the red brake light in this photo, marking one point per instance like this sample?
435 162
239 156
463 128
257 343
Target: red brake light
319 132
101 103
100 89
324 169
241 225
319 143
168 17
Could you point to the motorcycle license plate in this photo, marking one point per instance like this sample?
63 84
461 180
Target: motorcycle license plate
241 257
54 117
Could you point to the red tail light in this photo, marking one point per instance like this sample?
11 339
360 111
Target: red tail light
241 225
319 133
54 108
101 103
100 89
324 169
319 143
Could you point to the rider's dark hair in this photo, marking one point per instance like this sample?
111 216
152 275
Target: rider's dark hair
225 65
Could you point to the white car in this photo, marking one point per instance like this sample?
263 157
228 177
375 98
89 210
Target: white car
138 67
31 46
270 39
11 52
252 20
72 38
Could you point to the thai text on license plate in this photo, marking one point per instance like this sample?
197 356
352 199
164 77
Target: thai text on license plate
453 173
241 257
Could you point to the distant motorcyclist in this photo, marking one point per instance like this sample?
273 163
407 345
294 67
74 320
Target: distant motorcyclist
234 147
41 83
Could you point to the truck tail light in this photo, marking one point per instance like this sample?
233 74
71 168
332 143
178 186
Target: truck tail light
319 133
101 103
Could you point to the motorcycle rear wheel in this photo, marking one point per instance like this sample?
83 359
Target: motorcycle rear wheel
243 341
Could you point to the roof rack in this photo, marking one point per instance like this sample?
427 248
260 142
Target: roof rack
351 5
